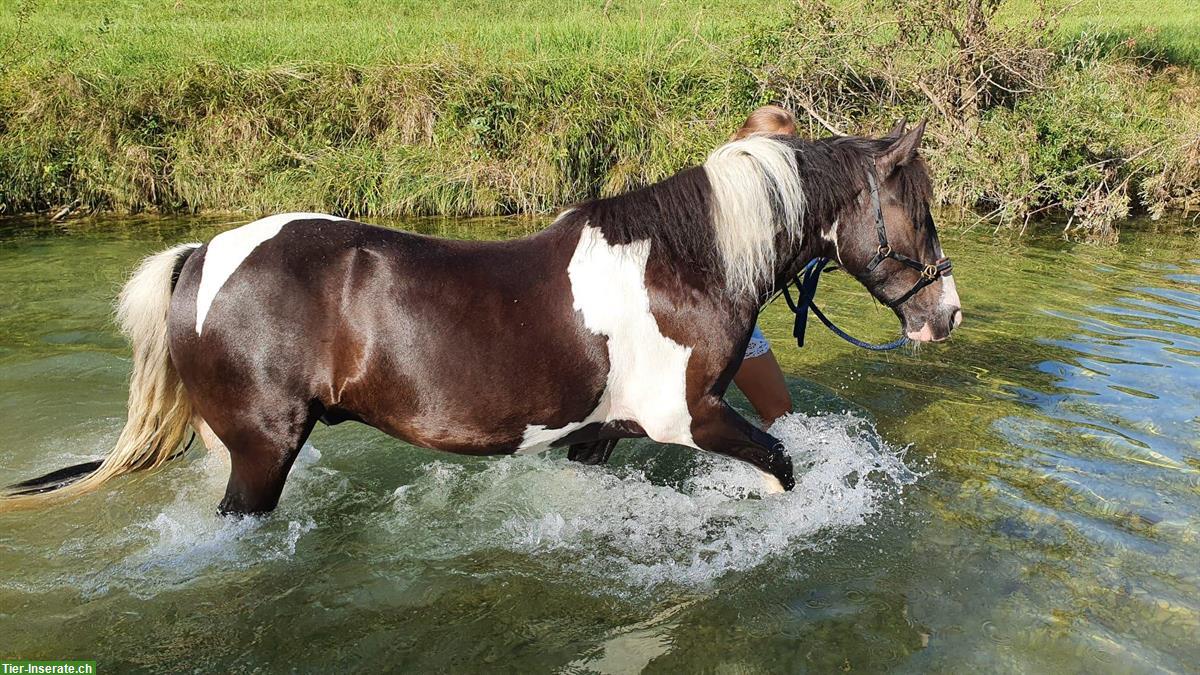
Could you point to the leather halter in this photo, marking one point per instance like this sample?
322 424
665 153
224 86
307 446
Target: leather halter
929 272
806 281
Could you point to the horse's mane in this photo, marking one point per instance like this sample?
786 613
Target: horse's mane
673 214
729 215
834 171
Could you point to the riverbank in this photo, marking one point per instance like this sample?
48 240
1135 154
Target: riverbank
422 111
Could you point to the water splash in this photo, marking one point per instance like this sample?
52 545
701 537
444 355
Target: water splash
625 528
186 539
618 526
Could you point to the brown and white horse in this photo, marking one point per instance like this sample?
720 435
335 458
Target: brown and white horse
626 317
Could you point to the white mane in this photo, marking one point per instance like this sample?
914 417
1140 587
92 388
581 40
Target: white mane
756 195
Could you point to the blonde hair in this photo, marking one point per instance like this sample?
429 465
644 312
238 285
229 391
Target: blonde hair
769 119
756 195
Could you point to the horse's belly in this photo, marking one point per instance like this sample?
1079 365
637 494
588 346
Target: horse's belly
661 411
449 434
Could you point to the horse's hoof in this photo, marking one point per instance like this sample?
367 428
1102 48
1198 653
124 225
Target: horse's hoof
788 482
771 484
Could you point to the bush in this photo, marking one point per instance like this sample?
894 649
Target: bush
1018 128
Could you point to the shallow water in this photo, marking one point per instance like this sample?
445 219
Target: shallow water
1023 498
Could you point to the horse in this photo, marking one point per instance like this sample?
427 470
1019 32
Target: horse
626 317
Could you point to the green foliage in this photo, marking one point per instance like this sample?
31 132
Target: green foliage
1101 137
1079 128
1164 31
417 108
455 137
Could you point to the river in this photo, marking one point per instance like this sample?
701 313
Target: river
1023 498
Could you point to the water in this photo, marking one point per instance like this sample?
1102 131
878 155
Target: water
1025 498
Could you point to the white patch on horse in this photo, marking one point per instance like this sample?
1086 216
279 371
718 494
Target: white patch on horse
923 335
832 237
228 250
771 484
950 300
950 294
563 214
756 195
647 376
538 437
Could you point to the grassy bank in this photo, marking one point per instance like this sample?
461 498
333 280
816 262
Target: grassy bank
125 36
408 107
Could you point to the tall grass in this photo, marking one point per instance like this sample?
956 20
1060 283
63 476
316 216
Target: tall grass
124 36
1167 31
455 137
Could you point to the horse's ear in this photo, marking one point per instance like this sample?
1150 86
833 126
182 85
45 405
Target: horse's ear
898 128
902 151
769 119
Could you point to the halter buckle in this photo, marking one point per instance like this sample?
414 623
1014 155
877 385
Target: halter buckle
931 272
884 251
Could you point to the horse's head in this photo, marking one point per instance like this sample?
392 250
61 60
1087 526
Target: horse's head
780 200
888 241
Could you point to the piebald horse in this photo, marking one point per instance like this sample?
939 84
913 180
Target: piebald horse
626 317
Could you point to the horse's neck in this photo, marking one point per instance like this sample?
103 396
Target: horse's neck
788 264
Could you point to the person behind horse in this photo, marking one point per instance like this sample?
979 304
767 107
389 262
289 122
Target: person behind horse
759 376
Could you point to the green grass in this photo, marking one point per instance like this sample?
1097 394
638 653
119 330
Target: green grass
1168 29
500 106
123 36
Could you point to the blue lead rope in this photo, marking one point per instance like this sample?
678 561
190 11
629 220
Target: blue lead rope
806 288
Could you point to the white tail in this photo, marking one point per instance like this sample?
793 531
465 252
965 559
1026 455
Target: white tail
159 411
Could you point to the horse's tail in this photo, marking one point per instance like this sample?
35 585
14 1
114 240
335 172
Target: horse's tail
159 410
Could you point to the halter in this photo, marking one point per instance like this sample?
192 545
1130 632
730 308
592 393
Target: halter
929 272
806 281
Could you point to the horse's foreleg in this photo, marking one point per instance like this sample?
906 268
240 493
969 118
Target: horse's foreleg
596 452
719 428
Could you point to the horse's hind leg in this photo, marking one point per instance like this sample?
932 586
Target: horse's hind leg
259 465
719 428
261 452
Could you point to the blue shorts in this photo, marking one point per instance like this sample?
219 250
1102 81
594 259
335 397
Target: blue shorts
758 344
